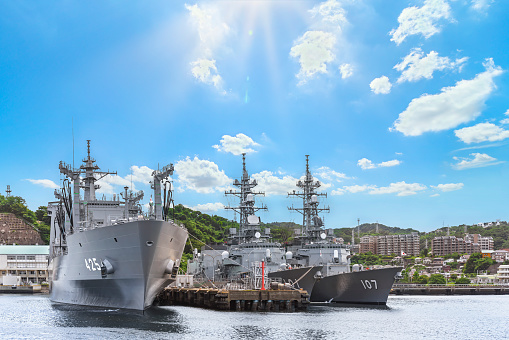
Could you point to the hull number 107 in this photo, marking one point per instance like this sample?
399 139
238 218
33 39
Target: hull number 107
369 284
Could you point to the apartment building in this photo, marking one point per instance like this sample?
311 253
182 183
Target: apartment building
391 244
472 243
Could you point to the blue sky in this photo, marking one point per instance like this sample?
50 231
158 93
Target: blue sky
402 105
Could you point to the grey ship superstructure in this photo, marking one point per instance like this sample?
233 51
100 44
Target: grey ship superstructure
335 281
106 252
246 247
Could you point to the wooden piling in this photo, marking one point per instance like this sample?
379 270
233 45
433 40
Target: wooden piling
235 300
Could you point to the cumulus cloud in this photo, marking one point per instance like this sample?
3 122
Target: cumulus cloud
399 188
421 20
206 72
314 51
416 65
481 5
331 12
46 183
337 192
366 164
448 187
346 71
200 175
479 160
453 106
328 174
208 207
381 85
358 188
212 31
236 144
506 120
483 132
274 185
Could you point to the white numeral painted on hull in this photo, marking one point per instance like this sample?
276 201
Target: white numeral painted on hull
369 284
92 264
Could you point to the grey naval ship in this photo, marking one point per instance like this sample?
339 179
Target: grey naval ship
336 280
106 253
240 259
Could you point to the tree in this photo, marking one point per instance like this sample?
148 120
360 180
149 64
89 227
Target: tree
422 279
436 279
462 281
424 252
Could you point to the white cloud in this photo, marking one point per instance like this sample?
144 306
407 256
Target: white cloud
449 187
200 175
393 162
480 160
421 20
346 71
236 145
481 132
274 185
481 5
206 72
434 195
337 192
328 174
46 183
141 174
358 188
381 85
212 32
416 65
331 12
365 163
314 51
506 120
401 188
208 207
211 29
453 106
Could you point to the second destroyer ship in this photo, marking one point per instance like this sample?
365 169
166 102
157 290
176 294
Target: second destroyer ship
106 253
337 280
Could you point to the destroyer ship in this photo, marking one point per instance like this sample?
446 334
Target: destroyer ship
241 258
106 253
336 280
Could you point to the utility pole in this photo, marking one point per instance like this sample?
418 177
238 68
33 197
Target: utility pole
358 228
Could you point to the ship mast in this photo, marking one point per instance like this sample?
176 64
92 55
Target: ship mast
89 169
249 222
311 222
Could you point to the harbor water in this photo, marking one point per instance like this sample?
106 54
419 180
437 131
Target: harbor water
404 317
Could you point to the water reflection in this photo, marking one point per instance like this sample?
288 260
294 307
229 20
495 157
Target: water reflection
153 319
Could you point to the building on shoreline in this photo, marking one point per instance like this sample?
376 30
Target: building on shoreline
30 263
472 243
405 244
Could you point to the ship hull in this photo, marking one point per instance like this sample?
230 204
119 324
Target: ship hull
141 254
303 278
363 287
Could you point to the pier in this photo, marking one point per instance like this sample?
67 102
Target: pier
235 300
418 289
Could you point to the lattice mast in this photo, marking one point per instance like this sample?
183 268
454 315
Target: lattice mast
311 222
89 169
249 222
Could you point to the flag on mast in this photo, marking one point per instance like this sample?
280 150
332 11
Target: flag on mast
403 253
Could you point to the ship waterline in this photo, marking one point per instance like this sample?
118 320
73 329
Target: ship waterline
139 252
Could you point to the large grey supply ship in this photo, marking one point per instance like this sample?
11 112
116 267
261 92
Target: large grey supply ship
247 247
106 252
337 280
